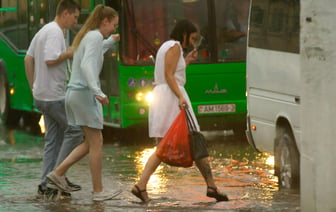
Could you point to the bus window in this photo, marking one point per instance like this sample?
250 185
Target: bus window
197 12
109 75
146 28
275 25
114 4
13 25
85 12
232 21
38 16
85 4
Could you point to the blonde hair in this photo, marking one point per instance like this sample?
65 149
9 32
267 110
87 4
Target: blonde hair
99 13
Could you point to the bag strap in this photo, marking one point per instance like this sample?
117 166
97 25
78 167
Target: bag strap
190 121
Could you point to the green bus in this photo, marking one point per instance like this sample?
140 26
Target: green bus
216 82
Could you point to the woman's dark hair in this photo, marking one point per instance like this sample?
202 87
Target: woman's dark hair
182 27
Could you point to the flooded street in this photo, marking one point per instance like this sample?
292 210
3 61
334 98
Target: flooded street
244 174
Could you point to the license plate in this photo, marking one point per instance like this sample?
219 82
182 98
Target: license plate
219 108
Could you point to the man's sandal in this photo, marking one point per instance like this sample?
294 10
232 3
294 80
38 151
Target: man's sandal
215 194
138 193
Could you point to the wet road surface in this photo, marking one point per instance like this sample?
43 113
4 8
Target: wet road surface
244 174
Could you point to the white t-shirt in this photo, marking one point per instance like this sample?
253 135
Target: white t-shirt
49 82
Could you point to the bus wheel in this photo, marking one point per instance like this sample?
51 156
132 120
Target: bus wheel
287 161
7 115
31 122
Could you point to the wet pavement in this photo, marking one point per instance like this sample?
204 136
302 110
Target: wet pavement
244 174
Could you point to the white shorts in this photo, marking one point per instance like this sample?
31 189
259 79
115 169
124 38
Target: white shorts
83 109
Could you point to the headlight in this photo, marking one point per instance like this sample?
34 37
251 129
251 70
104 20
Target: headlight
149 97
141 96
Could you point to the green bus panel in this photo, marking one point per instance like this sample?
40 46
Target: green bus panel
21 99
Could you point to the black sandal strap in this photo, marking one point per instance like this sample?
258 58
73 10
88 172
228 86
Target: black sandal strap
218 196
212 188
140 191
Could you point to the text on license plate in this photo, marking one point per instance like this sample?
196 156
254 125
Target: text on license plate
219 108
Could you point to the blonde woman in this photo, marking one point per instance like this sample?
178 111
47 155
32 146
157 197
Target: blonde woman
84 98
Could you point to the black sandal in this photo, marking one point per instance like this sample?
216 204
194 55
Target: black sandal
138 193
215 194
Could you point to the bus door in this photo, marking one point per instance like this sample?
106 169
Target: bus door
109 78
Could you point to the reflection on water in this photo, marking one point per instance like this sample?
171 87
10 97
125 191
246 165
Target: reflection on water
142 157
17 146
242 162
98 207
158 179
237 169
11 137
244 174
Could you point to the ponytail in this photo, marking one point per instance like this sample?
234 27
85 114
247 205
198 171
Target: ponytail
99 13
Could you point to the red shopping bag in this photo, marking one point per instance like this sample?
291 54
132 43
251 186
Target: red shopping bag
174 149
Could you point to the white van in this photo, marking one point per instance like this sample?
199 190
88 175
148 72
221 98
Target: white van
273 85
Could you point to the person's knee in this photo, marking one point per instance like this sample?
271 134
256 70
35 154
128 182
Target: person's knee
96 145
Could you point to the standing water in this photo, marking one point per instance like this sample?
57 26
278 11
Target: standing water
241 172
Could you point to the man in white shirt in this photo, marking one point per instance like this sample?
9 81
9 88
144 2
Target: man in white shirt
46 72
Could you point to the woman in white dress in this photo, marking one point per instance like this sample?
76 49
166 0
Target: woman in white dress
84 98
169 97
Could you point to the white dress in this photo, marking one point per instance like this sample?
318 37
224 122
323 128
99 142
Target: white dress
164 109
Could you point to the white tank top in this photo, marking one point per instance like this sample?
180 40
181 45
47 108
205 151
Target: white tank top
159 74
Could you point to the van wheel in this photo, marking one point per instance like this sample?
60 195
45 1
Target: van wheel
287 161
